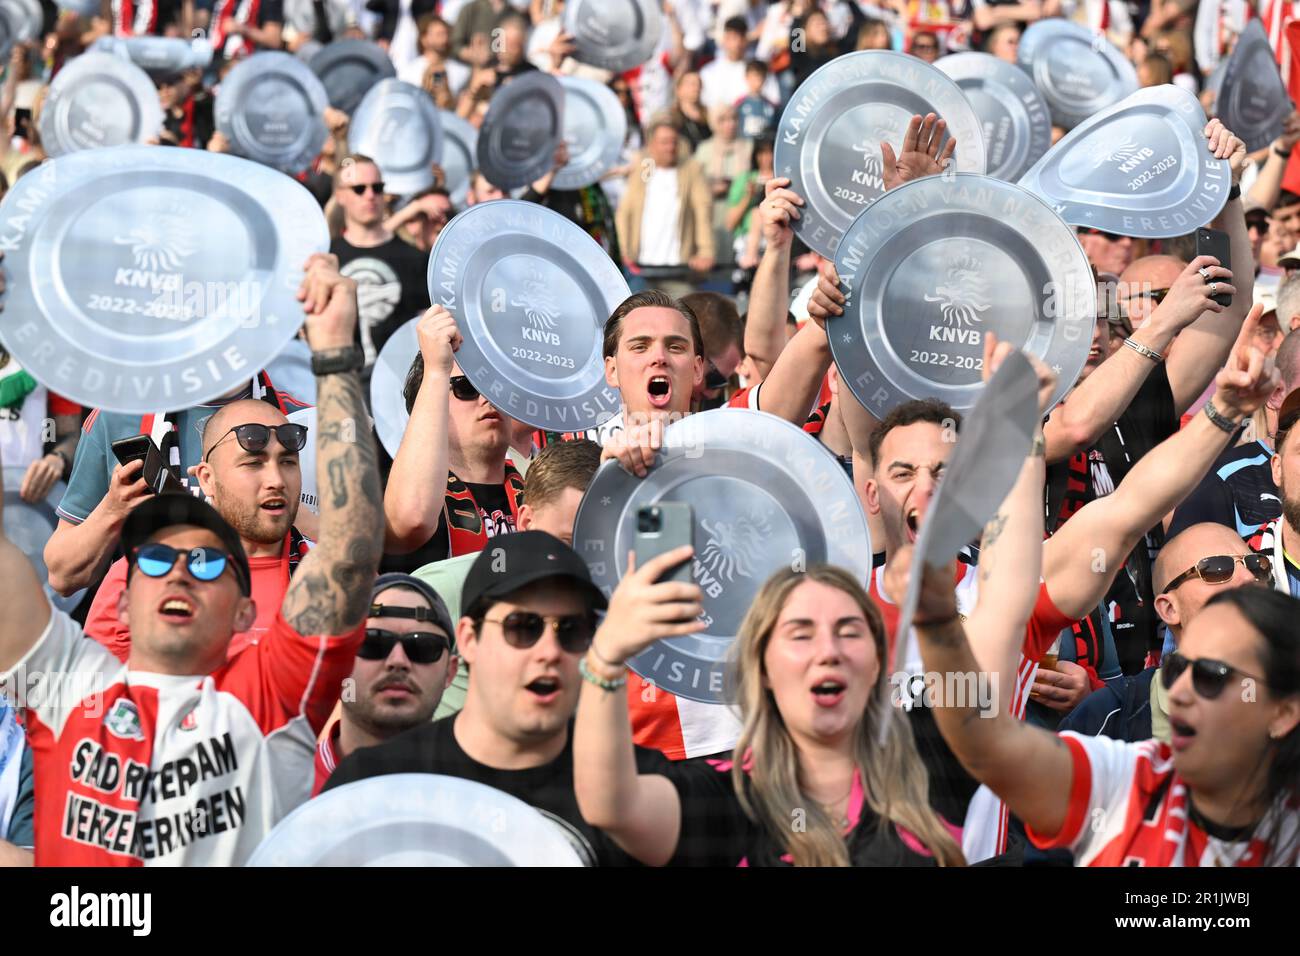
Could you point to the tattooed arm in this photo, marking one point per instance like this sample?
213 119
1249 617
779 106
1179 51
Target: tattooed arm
331 589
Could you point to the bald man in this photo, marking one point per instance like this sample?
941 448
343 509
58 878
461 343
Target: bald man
1191 568
251 473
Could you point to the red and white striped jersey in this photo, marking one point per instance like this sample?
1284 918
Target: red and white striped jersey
1129 807
136 768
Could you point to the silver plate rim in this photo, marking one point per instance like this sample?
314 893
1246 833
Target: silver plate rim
1036 40
616 59
406 180
88 66
503 175
1014 86
576 175
333 54
227 110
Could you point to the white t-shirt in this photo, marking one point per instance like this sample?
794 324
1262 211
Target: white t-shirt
413 73
722 83
661 243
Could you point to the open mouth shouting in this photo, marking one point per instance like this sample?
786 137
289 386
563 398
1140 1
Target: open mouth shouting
660 391
1181 734
829 692
545 690
912 524
275 506
177 609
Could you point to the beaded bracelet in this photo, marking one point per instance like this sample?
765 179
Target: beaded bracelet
592 678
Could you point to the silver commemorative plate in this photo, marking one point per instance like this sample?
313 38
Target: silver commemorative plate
523 126
828 139
349 68
271 107
1252 99
99 99
459 155
29 526
991 448
159 56
1012 113
398 124
421 819
1140 168
530 292
387 405
26 18
1079 72
594 128
83 8
764 494
616 35
7 26
938 262
141 278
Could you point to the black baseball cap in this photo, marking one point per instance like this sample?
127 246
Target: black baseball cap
436 613
513 561
181 508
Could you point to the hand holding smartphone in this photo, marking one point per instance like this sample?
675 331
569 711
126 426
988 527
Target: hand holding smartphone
661 528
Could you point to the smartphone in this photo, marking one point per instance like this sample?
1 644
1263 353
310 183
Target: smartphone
663 527
135 448
155 473
1213 242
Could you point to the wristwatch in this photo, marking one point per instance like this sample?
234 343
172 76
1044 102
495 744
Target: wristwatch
347 359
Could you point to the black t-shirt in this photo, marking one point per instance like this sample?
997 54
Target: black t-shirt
494 510
392 287
1126 617
433 748
1238 492
717 832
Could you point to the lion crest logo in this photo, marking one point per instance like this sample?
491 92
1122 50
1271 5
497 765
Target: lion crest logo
963 295
1104 152
538 302
736 547
163 243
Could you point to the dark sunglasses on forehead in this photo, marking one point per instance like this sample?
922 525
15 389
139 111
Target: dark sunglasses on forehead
462 389
1109 236
421 647
523 629
255 437
376 188
1209 677
1219 568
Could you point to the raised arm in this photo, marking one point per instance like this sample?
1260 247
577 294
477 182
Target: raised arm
330 592
1203 347
1268 184
641 812
1027 767
1101 398
1103 532
769 298
413 500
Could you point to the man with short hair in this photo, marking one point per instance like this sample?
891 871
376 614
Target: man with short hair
665 218
421 220
1284 220
480 190
250 473
1240 491
1106 251
553 490
102 491
391 275
724 341
1279 539
402 668
528 616
454 431
1193 566
1288 304
722 80
181 756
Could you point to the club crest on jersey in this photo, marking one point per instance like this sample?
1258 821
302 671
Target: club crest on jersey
189 721
123 720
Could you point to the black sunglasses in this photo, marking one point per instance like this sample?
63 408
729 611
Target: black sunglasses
1218 569
421 647
1209 677
360 190
462 389
1155 295
1109 236
203 564
523 629
254 437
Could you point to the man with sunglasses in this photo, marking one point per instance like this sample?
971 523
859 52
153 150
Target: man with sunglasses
456 432
528 617
403 666
1280 538
250 473
1106 251
1193 566
390 273
181 756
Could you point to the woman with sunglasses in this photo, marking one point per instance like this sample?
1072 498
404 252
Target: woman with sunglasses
1224 791
826 772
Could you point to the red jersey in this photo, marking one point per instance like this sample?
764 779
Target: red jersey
146 769
1129 807
327 757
